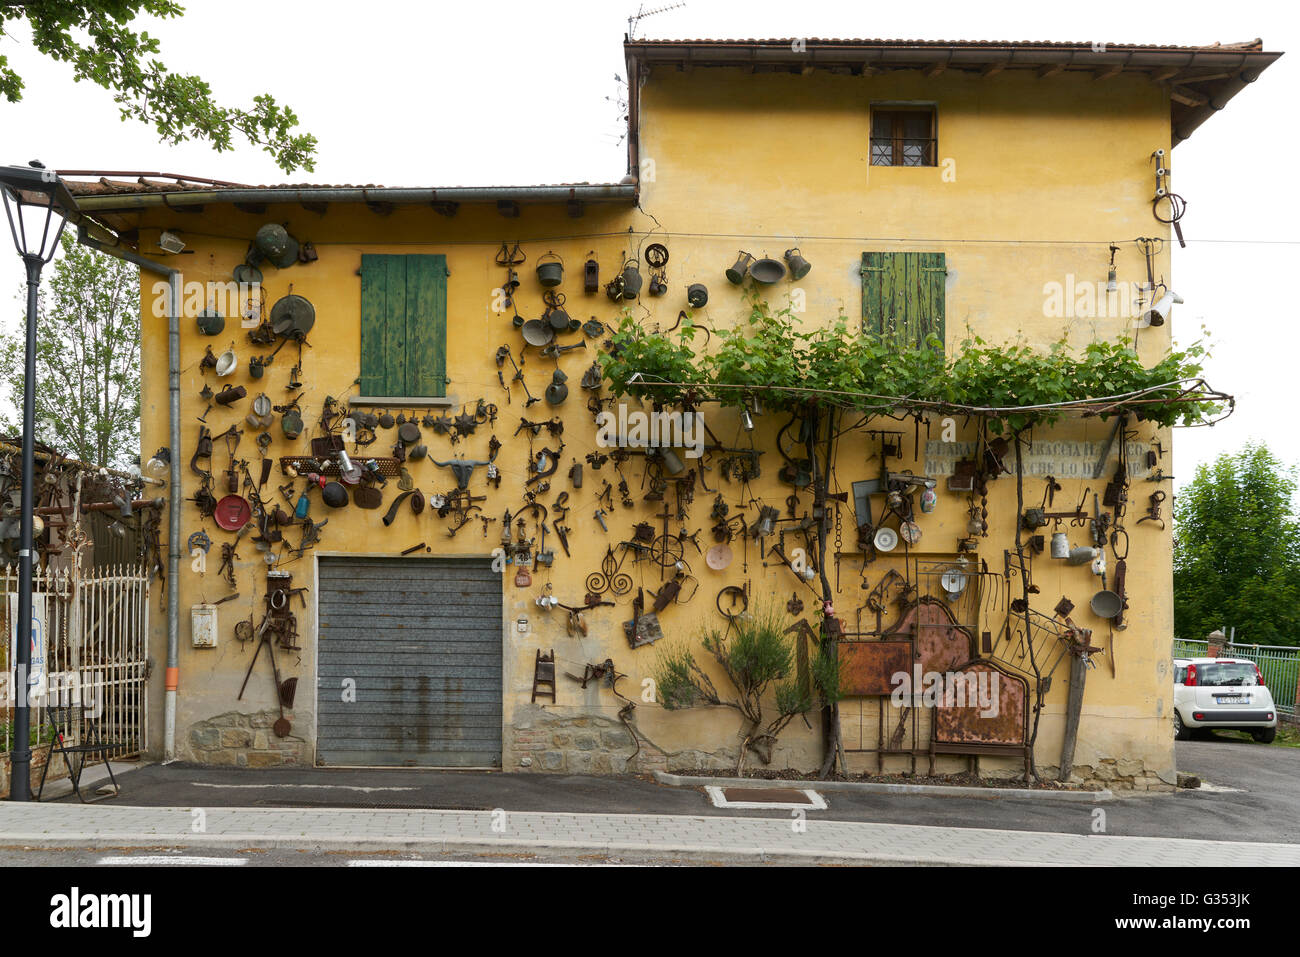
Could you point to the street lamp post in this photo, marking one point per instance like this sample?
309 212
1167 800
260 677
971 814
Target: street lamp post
37 205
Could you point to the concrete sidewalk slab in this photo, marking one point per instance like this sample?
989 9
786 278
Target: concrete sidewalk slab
727 839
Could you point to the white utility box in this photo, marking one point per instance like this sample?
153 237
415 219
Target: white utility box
203 626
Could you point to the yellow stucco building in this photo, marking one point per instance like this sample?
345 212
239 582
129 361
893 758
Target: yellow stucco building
950 188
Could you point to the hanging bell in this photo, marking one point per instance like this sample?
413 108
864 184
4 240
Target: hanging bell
557 391
291 424
737 273
631 279
799 266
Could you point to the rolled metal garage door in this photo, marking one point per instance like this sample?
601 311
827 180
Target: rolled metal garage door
421 639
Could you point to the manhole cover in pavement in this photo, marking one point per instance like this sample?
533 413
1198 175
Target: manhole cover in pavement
768 795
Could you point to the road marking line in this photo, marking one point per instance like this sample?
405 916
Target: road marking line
327 787
161 860
381 863
815 801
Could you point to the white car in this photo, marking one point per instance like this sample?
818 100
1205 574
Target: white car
1222 693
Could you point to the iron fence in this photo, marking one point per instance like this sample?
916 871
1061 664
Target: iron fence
89 647
1278 664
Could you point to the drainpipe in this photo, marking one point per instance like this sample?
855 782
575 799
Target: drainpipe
114 247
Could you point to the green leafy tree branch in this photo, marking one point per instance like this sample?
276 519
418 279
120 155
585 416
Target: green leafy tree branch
97 40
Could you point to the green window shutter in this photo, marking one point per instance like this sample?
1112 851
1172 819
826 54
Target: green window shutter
903 296
374 313
426 325
403 325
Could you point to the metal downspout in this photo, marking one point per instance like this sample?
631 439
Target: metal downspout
174 492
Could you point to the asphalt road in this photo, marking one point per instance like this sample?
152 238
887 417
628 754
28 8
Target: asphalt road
1251 796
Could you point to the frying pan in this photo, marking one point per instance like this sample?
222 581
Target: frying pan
538 333
232 513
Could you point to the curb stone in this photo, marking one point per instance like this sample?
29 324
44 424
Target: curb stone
871 787
471 845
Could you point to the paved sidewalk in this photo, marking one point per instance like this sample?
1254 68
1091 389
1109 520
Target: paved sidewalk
747 839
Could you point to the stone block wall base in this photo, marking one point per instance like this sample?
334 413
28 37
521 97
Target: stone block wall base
594 744
1115 774
40 755
246 741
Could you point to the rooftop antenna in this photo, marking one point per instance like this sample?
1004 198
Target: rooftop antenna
642 13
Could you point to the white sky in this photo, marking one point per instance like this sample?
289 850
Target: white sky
514 92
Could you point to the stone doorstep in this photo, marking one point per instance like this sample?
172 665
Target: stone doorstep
871 787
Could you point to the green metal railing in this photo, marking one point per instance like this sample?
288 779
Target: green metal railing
1278 664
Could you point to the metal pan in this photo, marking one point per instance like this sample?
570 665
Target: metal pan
244 273
232 513
767 271
538 333
292 316
1106 604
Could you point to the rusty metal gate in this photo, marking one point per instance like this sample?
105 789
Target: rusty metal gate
409 669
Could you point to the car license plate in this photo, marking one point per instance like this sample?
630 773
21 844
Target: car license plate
1229 699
